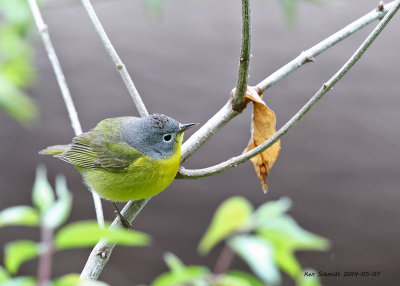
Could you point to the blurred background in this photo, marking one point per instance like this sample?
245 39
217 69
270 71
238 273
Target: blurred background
340 165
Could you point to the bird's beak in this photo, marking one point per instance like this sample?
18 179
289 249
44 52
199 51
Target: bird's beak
184 127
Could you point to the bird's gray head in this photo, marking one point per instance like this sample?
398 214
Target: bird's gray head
155 135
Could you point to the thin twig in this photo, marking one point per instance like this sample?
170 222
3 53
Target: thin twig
226 113
95 263
223 116
243 73
45 259
98 258
308 55
102 251
119 65
184 173
43 30
44 33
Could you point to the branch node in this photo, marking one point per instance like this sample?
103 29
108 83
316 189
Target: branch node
258 90
381 6
44 29
103 252
239 106
120 66
306 108
308 60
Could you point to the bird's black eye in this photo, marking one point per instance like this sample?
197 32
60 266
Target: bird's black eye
167 137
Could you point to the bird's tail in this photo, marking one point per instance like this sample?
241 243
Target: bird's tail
54 150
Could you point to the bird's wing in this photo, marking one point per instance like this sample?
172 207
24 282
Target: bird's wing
88 150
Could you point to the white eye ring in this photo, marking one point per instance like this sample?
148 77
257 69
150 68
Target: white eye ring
167 137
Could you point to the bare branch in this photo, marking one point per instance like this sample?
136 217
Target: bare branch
73 115
44 33
102 251
184 173
238 103
308 55
216 122
226 113
119 65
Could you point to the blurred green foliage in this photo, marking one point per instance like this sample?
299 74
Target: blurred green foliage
51 209
16 52
265 239
154 8
289 8
16 65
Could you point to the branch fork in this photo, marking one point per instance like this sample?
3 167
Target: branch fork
235 105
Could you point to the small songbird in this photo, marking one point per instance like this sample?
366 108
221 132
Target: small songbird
126 158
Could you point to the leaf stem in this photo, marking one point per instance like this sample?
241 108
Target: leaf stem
46 257
224 260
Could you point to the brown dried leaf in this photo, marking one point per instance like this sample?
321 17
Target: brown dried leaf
263 126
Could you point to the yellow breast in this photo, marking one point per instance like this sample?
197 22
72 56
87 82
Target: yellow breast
144 178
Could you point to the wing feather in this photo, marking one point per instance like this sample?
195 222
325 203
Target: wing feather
90 150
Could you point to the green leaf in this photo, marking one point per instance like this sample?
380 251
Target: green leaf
19 215
270 210
180 274
16 12
43 195
58 213
226 280
320 2
258 254
154 8
16 103
20 281
286 233
308 280
173 262
3 275
15 57
230 216
287 261
238 278
190 274
74 280
18 252
88 233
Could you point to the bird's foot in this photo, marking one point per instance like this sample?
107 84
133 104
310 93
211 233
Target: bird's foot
125 223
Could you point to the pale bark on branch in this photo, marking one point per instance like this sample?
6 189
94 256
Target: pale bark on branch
73 115
308 55
226 113
287 69
100 254
119 65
